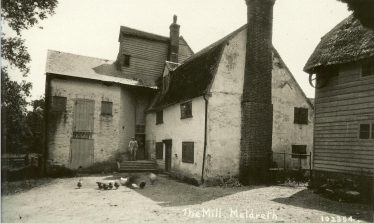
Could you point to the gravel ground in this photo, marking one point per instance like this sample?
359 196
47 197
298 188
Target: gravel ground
168 200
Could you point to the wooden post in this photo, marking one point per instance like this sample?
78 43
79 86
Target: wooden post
310 167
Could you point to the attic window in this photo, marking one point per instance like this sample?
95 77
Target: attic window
126 60
301 116
367 69
159 117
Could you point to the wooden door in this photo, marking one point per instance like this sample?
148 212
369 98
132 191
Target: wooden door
81 143
140 154
168 146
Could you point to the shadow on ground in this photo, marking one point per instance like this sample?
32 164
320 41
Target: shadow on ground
9 188
170 192
309 200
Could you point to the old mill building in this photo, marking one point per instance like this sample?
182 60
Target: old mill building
187 110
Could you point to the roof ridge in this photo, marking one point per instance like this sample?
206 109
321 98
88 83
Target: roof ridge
124 28
97 58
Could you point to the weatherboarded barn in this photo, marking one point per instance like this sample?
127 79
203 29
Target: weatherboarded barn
343 64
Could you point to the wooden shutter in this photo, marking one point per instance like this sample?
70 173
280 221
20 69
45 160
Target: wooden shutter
82 153
159 150
364 131
84 115
188 152
159 117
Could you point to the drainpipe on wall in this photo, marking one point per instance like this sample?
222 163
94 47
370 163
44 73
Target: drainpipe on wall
47 102
205 136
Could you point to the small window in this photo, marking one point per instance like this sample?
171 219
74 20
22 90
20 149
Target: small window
301 116
186 110
159 117
367 69
299 151
58 104
106 108
366 131
187 152
159 150
126 60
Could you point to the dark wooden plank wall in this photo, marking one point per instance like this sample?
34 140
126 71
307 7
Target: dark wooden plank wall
341 106
147 57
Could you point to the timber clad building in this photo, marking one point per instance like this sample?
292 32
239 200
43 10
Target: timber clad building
344 116
185 109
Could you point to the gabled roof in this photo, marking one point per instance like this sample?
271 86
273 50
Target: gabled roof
194 77
349 41
72 65
124 30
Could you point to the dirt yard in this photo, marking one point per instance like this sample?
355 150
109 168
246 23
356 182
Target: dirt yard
168 200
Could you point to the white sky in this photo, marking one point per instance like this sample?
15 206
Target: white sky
91 28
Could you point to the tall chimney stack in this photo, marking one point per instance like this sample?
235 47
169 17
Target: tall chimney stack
174 40
257 108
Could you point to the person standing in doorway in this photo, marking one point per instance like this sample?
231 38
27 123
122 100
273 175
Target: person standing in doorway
133 147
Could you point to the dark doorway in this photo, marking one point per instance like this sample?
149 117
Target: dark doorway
140 155
168 144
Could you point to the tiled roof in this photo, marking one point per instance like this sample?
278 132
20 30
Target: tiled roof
349 41
73 65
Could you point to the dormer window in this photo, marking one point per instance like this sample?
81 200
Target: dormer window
126 60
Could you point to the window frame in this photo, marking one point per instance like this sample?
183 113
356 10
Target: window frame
299 155
298 118
158 120
126 60
370 133
158 153
54 106
370 65
185 115
186 147
102 112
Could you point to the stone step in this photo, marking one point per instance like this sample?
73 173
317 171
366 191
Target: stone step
137 166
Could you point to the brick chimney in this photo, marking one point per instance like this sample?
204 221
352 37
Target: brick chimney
174 41
257 108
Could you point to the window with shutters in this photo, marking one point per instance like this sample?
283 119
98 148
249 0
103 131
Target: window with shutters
58 104
299 151
367 69
186 110
159 117
188 152
106 108
366 131
159 150
126 60
301 116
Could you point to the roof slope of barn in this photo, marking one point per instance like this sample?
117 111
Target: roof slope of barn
347 42
73 65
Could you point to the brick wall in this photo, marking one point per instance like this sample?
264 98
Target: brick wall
257 111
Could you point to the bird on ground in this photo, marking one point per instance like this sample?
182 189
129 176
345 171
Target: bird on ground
110 185
123 181
134 186
79 184
100 185
105 186
152 178
142 185
116 184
